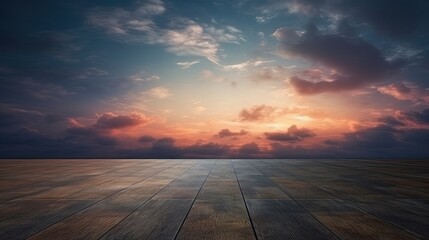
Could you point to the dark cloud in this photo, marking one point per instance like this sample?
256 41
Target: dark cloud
207 150
82 131
249 148
405 91
279 150
384 141
382 136
92 134
29 143
281 136
23 136
391 121
227 133
8 119
48 42
164 148
394 18
354 61
146 139
302 132
418 136
114 121
256 113
106 140
332 142
416 117
53 118
293 134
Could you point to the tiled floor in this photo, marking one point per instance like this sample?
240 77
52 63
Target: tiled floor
214 199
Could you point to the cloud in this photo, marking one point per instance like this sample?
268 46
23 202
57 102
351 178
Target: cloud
147 139
111 120
209 75
302 132
186 65
164 148
333 51
206 150
60 45
249 148
405 91
245 65
257 113
419 136
391 121
227 133
143 76
83 131
277 73
415 116
12 116
401 19
293 134
106 140
159 92
381 136
42 90
183 37
30 143
199 109
152 7
93 72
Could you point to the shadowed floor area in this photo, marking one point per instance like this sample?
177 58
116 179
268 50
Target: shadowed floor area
214 199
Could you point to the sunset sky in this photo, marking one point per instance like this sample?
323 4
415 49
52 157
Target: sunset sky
214 79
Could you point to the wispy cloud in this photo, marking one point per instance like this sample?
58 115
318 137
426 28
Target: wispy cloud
182 36
159 92
186 65
405 91
209 75
245 65
93 72
143 76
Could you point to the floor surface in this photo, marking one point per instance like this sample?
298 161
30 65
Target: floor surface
214 199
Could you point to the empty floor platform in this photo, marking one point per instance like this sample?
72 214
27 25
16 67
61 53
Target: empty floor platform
214 199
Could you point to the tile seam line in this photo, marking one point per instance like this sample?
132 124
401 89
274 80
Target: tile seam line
144 202
293 199
361 209
192 204
83 209
245 203
377 172
59 185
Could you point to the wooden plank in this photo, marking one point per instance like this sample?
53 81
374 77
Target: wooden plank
219 191
96 220
299 189
348 222
36 215
217 220
285 219
91 223
408 216
157 219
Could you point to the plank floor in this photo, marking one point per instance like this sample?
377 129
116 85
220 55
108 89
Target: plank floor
214 199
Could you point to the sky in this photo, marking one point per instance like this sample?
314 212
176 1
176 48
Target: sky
214 79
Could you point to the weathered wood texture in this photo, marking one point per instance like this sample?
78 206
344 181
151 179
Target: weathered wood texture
214 199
